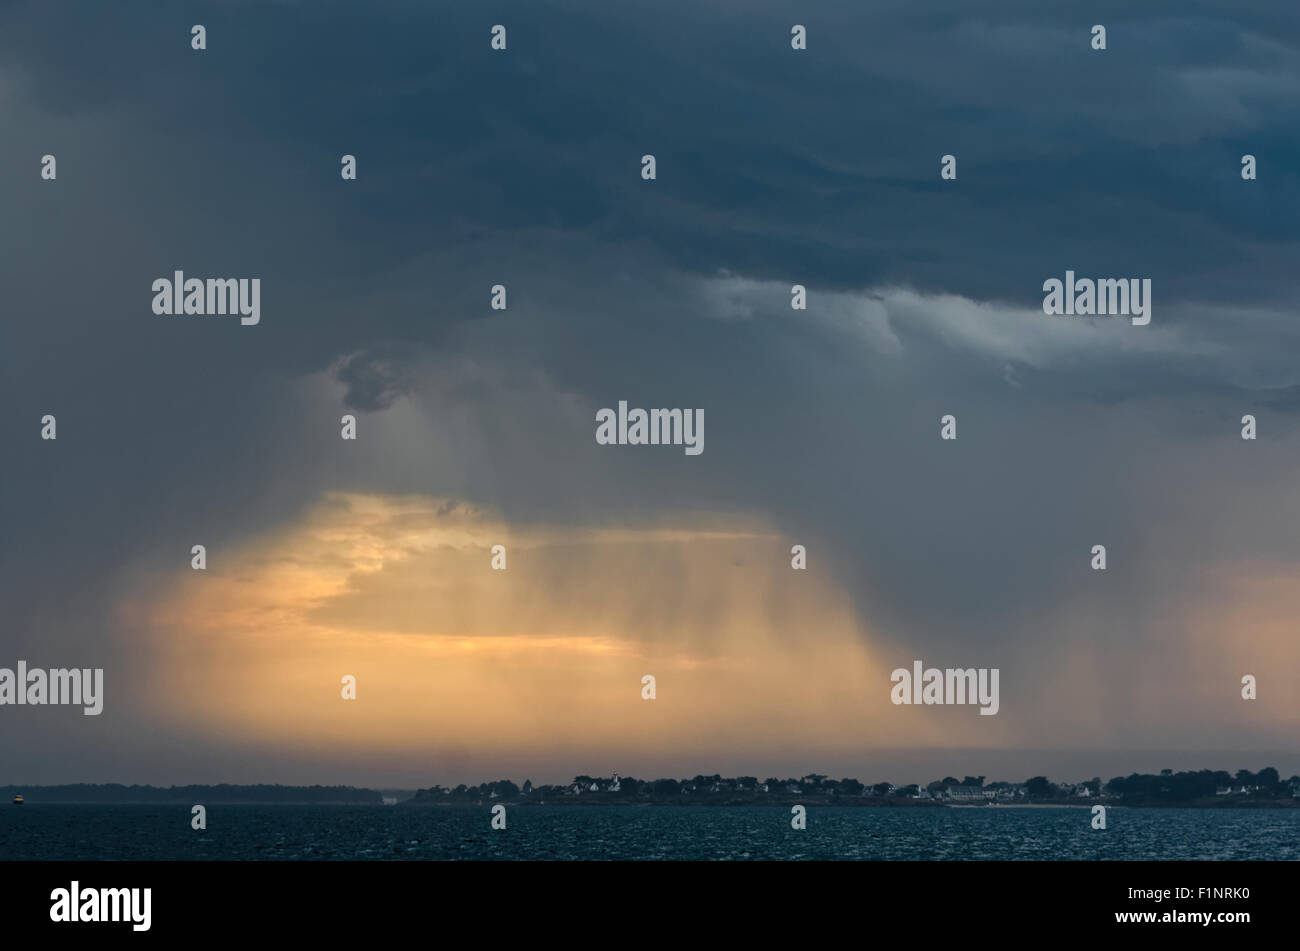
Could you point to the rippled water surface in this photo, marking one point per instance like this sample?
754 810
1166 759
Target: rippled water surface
81 832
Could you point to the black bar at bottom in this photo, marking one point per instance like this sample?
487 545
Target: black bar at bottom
669 903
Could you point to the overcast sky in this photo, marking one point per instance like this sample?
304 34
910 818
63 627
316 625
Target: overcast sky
774 167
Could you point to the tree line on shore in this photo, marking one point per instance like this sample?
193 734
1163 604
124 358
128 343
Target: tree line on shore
1166 786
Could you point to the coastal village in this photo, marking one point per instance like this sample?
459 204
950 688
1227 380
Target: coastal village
1202 788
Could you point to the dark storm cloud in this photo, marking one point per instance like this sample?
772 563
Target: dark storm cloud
374 380
523 168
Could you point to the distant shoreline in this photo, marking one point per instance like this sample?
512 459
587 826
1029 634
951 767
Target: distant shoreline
1204 789
869 804
35 800
107 794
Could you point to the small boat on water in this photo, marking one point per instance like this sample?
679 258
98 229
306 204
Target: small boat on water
18 800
